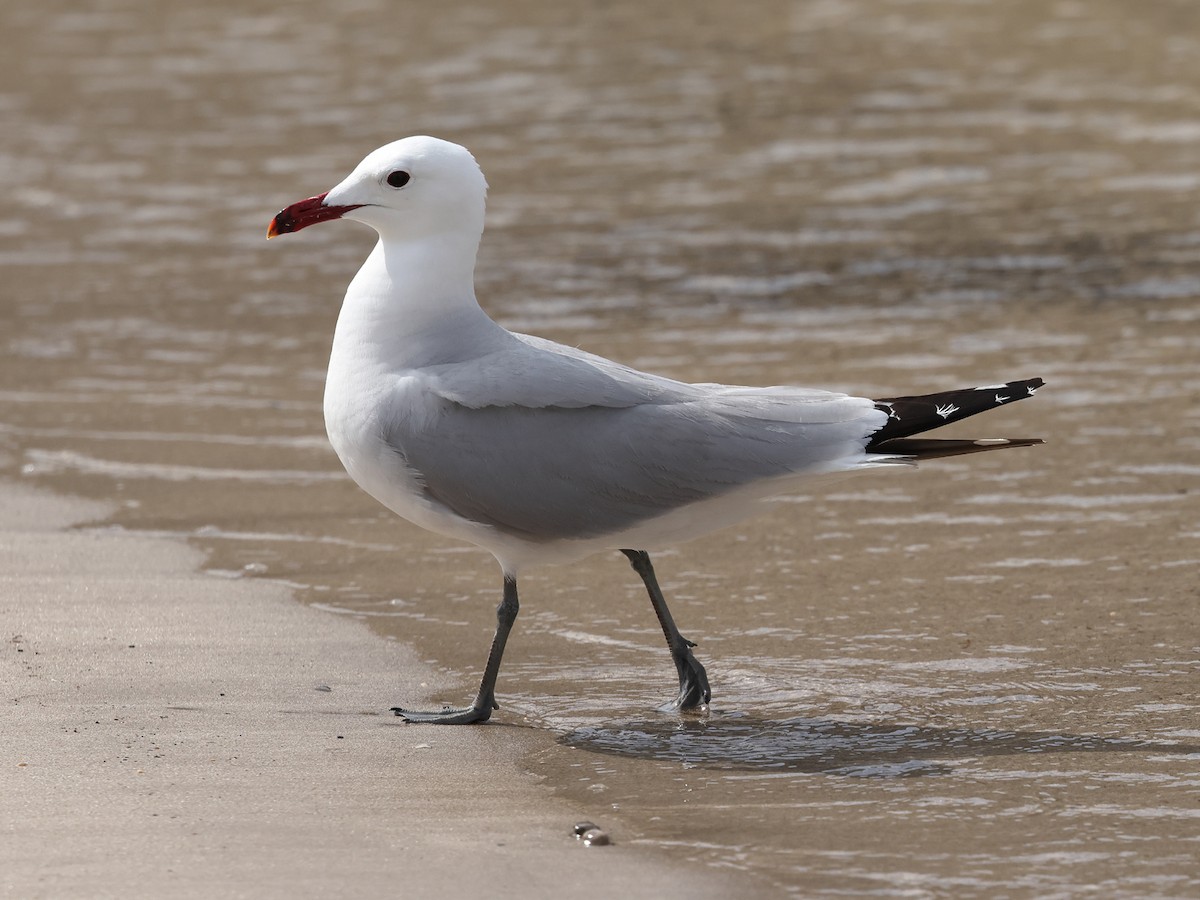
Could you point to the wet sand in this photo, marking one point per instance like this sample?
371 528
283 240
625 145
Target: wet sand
173 734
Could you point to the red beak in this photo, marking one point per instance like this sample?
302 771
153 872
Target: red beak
305 213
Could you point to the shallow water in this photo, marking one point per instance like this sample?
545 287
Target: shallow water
974 679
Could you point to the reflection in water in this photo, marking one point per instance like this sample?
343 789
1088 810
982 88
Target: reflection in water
828 747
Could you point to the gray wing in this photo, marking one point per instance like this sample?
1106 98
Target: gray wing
522 370
550 473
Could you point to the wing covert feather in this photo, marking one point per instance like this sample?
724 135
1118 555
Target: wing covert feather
547 473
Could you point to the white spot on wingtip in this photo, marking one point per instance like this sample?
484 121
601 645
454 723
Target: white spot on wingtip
891 410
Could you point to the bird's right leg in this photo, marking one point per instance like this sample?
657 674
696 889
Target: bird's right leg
485 700
693 680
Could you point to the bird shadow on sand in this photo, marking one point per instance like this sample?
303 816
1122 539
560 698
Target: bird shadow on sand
828 747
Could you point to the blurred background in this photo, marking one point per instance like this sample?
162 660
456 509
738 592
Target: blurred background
879 196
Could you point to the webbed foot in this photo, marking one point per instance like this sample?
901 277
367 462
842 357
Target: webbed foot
469 715
693 681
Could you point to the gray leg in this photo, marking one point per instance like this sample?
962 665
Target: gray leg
485 700
693 681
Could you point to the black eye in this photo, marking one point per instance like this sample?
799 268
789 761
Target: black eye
398 179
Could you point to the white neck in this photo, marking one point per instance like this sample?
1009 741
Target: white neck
412 304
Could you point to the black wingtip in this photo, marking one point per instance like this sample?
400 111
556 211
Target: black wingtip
913 415
933 448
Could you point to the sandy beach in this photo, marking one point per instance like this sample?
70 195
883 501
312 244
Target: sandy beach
175 734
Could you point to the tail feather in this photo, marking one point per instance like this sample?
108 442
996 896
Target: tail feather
914 415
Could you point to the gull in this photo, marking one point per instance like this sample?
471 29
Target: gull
542 453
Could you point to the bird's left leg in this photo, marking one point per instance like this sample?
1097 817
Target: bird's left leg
693 680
